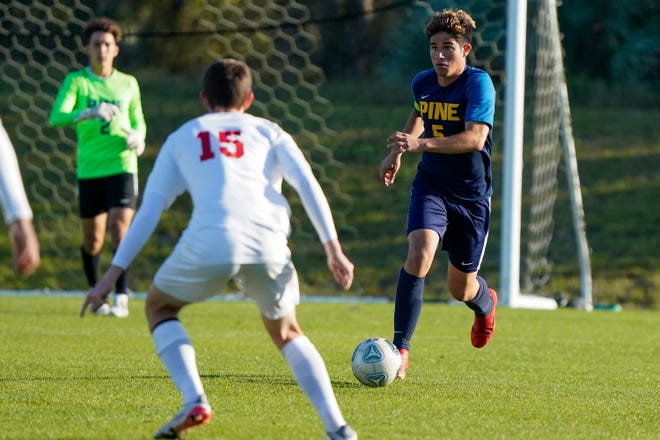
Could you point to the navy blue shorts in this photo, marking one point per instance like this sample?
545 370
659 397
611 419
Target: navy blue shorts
462 225
96 196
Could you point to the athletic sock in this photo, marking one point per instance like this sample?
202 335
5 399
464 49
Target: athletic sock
121 285
311 375
482 303
407 308
91 266
178 355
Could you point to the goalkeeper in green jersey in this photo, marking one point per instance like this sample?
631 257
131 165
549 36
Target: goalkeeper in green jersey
105 106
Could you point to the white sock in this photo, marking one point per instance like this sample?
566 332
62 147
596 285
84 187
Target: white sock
312 376
178 355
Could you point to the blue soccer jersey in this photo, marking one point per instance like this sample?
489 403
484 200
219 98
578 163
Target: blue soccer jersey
445 111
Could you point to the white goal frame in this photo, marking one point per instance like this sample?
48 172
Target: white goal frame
510 294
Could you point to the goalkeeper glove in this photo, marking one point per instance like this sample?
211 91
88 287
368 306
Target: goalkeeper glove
103 111
134 141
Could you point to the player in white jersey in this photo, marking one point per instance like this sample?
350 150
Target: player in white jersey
16 210
232 164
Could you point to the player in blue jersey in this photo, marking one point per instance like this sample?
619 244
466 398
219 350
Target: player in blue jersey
450 126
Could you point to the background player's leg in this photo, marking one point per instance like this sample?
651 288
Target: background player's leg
93 229
119 219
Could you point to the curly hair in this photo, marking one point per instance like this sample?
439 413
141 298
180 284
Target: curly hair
102 24
455 22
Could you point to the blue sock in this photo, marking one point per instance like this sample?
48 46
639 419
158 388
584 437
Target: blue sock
407 308
482 303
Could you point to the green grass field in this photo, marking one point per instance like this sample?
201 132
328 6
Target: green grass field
545 375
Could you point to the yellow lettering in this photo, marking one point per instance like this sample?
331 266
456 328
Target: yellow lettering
423 108
439 111
452 112
437 130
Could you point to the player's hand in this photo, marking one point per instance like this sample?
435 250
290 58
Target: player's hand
25 247
104 111
98 295
339 264
95 298
389 167
134 140
400 142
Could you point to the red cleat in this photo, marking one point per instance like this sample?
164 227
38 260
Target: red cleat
483 328
404 363
194 414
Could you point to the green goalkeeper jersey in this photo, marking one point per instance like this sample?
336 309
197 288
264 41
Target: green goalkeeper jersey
102 147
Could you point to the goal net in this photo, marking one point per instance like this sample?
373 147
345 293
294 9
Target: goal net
543 255
40 43
554 233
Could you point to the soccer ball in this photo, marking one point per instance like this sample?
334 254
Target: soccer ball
376 362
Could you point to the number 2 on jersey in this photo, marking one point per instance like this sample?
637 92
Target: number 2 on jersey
230 144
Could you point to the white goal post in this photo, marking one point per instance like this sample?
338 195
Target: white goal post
510 290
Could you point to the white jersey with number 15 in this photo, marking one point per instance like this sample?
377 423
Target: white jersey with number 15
233 165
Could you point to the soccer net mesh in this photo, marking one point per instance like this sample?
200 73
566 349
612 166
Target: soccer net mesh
40 42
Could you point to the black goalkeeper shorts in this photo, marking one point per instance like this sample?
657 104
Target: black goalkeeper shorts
96 196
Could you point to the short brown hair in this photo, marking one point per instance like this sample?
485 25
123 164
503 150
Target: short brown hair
102 24
227 83
455 22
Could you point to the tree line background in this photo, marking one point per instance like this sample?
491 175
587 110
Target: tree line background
367 52
607 42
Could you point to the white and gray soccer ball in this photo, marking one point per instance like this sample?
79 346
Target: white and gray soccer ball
376 362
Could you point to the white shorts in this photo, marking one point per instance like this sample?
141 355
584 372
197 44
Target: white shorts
274 286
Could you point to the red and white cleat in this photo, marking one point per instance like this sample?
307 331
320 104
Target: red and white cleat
193 414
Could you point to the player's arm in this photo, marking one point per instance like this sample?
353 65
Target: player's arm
62 113
390 166
135 113
16 210
25 246
143 225
415 124
13 200
479 115
137 132
468 141
338 263
163 186
298 173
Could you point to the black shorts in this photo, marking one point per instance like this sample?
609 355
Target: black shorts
96 196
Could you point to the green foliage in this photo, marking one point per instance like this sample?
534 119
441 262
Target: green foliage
545 375
618 164
612 41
